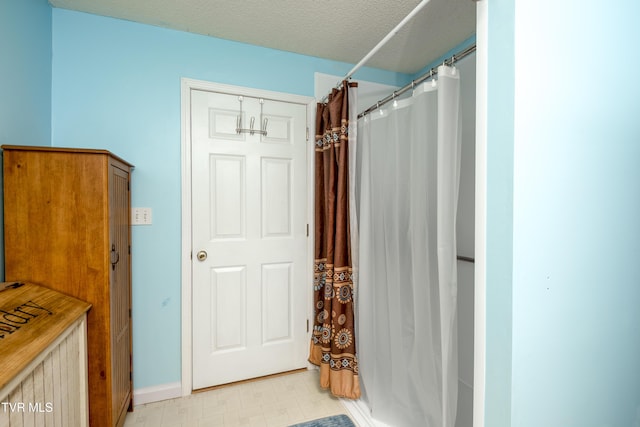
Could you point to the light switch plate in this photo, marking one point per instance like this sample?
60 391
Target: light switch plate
140 216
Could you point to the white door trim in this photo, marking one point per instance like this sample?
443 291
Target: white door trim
480 285
186 86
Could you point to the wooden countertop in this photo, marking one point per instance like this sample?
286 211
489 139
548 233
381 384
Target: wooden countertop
31 318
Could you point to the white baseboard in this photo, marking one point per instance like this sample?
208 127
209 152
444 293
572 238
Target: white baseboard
360 413
157 393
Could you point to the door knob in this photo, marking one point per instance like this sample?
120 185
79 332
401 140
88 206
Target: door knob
202 255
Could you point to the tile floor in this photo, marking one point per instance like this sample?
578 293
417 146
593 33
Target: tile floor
273 402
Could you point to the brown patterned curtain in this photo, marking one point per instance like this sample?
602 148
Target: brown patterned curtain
333 345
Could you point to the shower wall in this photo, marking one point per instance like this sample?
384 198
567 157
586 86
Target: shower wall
465 239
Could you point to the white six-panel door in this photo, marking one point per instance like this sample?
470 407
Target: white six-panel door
249 225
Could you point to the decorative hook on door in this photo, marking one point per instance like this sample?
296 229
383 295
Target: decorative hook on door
251 130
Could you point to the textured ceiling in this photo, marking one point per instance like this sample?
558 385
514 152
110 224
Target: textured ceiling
342 30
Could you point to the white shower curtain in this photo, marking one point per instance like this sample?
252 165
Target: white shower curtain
409 168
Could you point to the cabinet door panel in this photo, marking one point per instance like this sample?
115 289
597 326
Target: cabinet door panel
120 290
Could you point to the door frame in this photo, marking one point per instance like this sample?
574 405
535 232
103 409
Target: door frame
480 250
186 86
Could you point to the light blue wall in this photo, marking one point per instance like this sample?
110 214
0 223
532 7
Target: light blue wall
116 85
576 296
25 72
575 274
25 78
499 202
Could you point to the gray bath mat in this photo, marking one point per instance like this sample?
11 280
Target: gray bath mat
335 421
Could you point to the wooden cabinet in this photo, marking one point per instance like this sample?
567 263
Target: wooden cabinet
67 227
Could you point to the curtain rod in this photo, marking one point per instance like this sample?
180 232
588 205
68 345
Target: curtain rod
382 42
388 37
432 73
